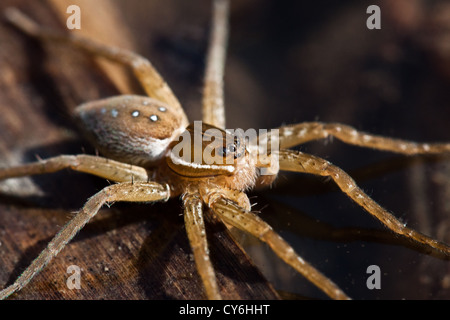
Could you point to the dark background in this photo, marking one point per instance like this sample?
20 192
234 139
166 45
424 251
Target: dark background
293 61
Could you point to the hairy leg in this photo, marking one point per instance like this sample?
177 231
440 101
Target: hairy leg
213 101
195 228
247 221
152 82
293 135
300 162
102 167
132 192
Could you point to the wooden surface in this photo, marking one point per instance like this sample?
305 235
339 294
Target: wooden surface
127 251
288 62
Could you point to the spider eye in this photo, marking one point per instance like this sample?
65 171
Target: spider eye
222 151
230 149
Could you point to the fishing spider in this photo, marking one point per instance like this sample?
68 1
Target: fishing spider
138 136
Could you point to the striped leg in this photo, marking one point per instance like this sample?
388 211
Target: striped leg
131 192
152 82
102 167
247 221
195 228
213 101
293 135
301 162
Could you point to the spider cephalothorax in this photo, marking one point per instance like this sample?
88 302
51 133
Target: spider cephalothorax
212 156
152 154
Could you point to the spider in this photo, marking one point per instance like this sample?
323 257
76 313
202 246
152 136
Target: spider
138 136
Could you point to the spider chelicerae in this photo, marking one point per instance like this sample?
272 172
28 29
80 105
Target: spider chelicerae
138 136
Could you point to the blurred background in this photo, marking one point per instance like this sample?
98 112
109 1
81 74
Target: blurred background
293 61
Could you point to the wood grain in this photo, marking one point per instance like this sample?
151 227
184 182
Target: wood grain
128 251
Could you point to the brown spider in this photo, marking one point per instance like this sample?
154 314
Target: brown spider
138 136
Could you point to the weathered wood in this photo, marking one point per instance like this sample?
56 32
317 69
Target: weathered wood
288 62
128 251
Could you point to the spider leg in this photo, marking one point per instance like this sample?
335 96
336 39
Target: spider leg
300 133
151 81
195 228
300 162
247 221
131 192
213 101
102 167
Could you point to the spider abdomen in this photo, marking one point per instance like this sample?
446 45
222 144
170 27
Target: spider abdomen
129 128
